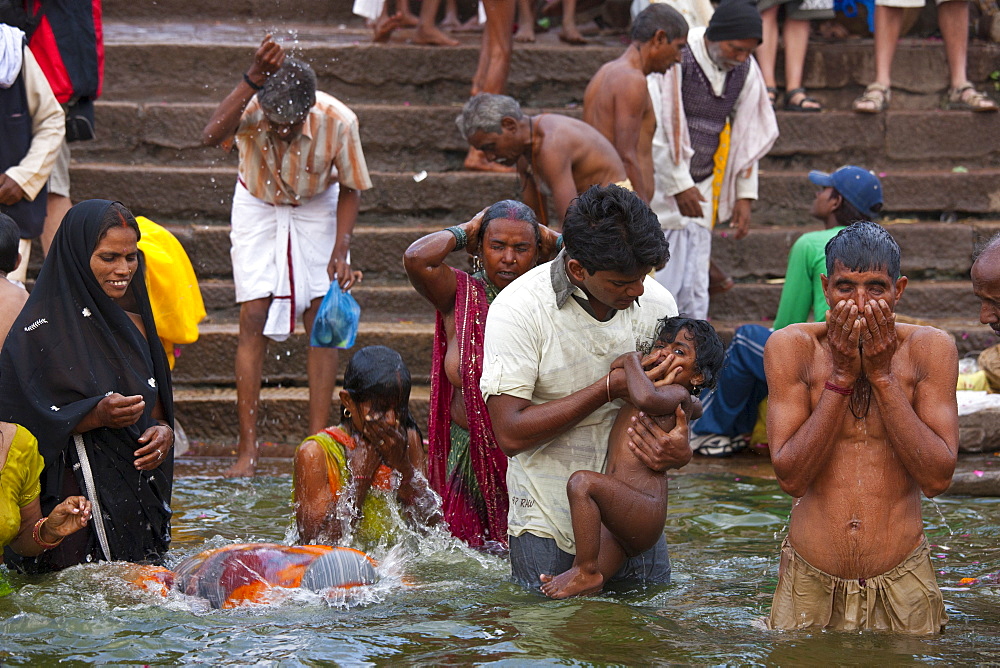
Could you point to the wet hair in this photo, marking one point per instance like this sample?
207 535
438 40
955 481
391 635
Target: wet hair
513 210
117 215
864 246
10 242
608 228
847 213
659 16
484 112
289 93
377 376
709 349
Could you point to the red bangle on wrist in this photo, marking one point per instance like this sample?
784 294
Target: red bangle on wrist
37 537
846 391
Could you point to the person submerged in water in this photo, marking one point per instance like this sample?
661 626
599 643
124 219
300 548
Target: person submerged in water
621 513
348 479
234 575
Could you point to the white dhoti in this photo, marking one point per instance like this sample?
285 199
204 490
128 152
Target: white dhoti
282 251
686 273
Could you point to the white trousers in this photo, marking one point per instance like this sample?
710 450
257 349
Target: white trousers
686 273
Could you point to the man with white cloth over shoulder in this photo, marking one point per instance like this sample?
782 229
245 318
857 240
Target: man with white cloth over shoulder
297 197
714 123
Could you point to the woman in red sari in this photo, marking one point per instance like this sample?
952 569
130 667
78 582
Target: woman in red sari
465 466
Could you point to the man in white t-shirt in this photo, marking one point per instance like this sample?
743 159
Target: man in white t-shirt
551 337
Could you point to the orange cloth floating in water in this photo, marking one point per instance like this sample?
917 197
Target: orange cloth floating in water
230 576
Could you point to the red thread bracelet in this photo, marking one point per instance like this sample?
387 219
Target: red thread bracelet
839 390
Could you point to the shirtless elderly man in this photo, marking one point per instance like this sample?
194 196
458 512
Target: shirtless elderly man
862 418
555 155
617 102
986 284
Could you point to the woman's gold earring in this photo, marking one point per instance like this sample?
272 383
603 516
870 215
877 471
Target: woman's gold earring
347 413
477 264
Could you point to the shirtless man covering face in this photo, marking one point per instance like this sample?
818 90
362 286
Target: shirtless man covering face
862 418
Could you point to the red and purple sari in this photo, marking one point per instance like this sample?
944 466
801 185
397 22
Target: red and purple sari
467 469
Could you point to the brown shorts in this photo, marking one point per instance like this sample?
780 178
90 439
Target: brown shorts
905 600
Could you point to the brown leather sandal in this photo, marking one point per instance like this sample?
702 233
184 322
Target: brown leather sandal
967 98
874 100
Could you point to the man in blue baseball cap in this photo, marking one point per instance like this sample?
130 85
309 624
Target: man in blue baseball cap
847 195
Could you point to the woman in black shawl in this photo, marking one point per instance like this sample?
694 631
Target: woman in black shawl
84 371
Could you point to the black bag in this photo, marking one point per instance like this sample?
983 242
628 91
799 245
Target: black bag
79 119
13 14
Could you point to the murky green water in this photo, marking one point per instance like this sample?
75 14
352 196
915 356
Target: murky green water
439 604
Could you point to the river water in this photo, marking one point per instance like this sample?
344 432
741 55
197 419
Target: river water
440 604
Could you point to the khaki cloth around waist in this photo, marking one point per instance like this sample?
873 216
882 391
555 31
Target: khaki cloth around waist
905 599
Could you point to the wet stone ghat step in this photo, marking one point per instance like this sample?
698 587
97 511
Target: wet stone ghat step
197 193
411 139
929 249
209 361
543 74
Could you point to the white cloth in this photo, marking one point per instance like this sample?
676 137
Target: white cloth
282 251
11 54
535 350
369 9
685 275
754 129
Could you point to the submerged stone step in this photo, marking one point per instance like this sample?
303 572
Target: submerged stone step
399 138
209 417
205 192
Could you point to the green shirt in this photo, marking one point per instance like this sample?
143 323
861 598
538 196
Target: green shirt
803 291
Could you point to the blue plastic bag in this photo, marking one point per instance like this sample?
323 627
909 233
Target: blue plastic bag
336 324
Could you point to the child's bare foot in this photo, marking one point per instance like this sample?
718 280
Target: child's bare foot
525 33
571 35
432 36
574 582
245 467
384 27
475 161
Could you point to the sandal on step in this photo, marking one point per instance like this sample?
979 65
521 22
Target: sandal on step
874 100
801 104
772 96
968 98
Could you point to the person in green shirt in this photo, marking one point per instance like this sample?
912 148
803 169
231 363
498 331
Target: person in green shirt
847 195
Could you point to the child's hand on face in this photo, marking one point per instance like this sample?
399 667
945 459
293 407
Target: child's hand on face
670 378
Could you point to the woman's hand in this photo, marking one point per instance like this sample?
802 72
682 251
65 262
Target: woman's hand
472 227
156 443
68 517
117 411
547 249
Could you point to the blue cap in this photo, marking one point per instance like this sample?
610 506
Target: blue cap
858 186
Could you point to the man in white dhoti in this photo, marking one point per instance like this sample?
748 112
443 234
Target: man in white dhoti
714 123
297 197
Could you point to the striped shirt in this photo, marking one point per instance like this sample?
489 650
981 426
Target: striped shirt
327 150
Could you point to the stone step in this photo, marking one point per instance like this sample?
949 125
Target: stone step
209 361
414 138
268 11
143 60
929 250
379 303
209 417
201 193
